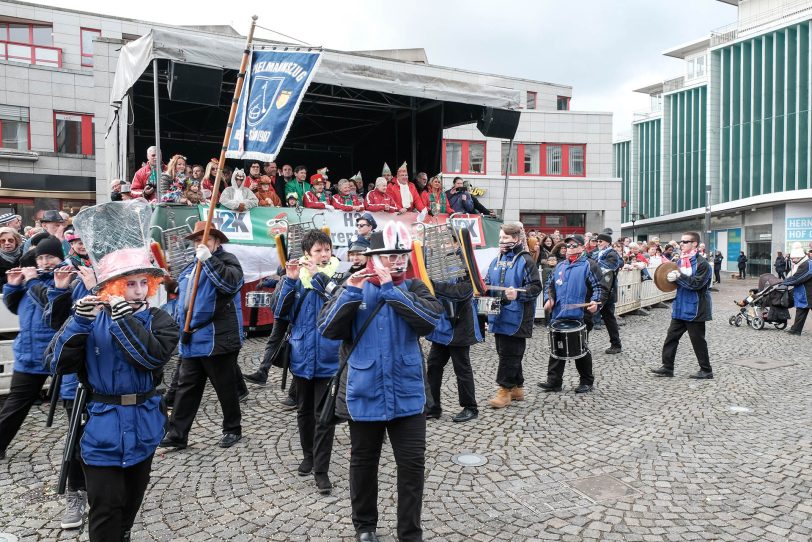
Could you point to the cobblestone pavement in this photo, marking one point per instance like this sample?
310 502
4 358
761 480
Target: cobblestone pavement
640 459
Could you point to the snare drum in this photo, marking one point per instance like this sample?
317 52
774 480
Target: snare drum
568 339
258 299
488 305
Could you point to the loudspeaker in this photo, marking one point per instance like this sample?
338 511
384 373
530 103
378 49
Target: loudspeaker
500 123
194 84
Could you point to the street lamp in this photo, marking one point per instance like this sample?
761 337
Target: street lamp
634 218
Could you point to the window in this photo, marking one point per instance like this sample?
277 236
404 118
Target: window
545 159
29 44
531 99
576 160
553 160
73 133
87 37
565 223
697 67
563 103
464 157
14 128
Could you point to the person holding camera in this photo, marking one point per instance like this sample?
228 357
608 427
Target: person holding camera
458 197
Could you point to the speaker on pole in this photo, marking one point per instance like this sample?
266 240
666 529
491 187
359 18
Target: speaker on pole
194 84
499 123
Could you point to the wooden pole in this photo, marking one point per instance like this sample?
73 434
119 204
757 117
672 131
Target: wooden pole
216 188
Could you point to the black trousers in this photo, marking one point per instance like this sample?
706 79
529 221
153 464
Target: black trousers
555 366
717 272
76 476
408 438
274 340
115 495
461 360
782 274
607 313
696 332
316 441
800 317
510 351
742 273
25 388
191 383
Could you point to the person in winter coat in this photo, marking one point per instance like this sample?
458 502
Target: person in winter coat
610 264
780 265
382 391
379 200
512 269
210 349
266 194
453 337
717 266
742 259
317 197
120 351
800 278
313 358
238 197
690 309
77 257
26 295
298 185
434 199
11 250
458 197
574 281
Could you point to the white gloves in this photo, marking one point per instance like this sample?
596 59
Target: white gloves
202 253
672 276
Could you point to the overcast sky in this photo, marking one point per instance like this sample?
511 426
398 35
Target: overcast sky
603 48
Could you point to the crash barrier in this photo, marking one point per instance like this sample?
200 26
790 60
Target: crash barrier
632 292
6 366
635 293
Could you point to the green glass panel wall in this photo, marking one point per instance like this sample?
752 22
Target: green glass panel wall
688 148
622 168
649 141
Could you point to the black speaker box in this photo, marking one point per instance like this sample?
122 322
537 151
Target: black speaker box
194 84
500 123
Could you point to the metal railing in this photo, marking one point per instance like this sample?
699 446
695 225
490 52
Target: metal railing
673 84
27 53
733 31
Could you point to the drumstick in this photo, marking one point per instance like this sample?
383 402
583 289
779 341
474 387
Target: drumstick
503 288
577 305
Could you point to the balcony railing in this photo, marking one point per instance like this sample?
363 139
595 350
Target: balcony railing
731 32
673 84
26 53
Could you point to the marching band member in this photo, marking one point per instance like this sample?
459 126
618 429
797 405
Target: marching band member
513 269
313 358
382 390
26 295
118 345
610 263
574 281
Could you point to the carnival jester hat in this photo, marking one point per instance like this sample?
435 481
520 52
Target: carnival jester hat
116 235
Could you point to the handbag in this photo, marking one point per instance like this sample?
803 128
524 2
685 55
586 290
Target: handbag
327 403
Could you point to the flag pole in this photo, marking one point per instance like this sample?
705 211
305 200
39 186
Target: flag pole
216 188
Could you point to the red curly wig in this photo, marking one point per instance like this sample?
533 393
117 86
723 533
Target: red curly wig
118 286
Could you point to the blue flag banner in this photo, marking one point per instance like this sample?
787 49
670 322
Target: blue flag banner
276 82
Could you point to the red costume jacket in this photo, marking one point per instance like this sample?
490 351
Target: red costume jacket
440 202
315 201
394 191
338 200
378 202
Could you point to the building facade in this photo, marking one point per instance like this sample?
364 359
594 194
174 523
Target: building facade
57 67
736 126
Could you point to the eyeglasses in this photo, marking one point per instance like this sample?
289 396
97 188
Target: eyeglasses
573 245
394 258
362 225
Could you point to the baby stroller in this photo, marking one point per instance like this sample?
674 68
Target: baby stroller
767 305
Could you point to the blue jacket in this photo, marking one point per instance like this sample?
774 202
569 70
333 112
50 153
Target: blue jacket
574 283
119 357
464 330
29 302
517 269
384 376
693 301
60 305
217 317
801 282
311 354
610 262
459 205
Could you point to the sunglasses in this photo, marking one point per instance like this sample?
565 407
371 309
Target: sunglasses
362 225
684 242
394 258
572 245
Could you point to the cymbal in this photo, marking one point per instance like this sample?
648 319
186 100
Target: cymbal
661 277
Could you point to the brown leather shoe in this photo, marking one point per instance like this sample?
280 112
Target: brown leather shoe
501 399
517 394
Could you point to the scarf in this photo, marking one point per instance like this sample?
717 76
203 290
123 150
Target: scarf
396 279
320 196
795 266
504 248
12 257
329 269
685 263
437 206
349 199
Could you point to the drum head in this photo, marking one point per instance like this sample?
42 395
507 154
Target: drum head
565 325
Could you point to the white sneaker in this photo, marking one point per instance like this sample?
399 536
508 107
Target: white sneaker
75 503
